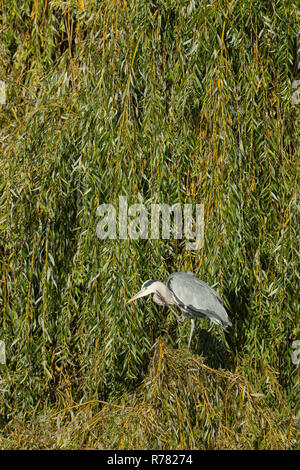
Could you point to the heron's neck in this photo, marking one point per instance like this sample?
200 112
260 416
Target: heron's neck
161 289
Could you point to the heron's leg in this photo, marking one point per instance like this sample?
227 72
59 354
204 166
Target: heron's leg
180 319
191 333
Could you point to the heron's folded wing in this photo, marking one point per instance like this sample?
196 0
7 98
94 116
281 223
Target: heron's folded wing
196 298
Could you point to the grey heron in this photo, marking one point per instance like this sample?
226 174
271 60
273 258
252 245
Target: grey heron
194 297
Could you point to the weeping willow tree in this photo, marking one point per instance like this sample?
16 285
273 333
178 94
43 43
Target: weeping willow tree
162 102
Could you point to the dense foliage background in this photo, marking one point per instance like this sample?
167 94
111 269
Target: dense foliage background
161 101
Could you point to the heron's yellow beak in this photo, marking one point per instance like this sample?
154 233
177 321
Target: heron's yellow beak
132 298
137 296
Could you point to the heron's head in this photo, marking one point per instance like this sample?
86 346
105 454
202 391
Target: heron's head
147 288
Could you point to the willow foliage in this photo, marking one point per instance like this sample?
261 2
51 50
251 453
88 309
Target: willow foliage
160 101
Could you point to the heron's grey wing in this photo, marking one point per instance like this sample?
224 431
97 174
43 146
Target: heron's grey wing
196 298
200 282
